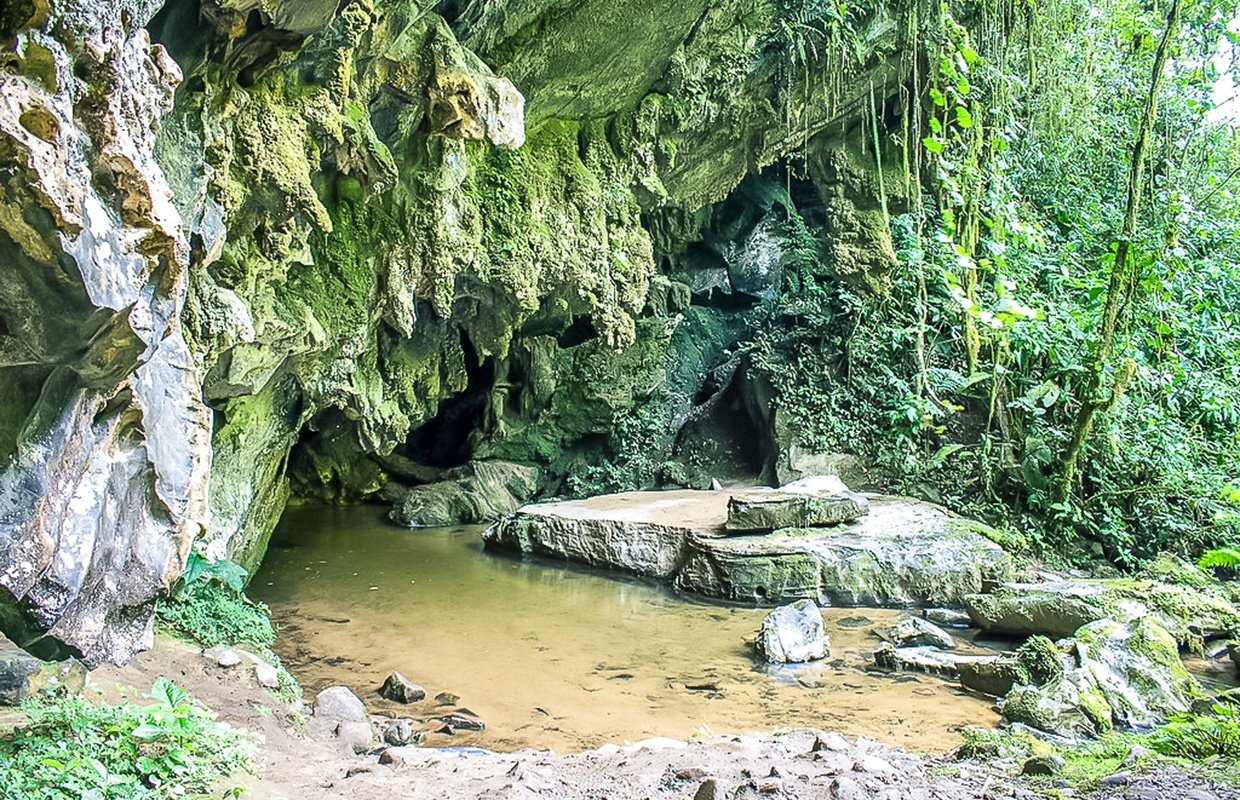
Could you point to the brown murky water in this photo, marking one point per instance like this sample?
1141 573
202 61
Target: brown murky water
554 656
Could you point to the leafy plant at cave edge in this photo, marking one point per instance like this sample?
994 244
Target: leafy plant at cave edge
71 749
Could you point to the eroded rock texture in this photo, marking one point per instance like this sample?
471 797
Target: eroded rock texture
260 247
103 433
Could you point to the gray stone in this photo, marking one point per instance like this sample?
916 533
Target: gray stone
359 736
22 675
808 503
708 790
1049 764
459 722
792 634
340 704
480 491
916 632
903 553
843 788
924 658
641 532
222 656
951 617
268 676
1118 779
400 732
400 689
873 765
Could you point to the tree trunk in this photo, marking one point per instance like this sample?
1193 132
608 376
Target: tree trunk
1123 282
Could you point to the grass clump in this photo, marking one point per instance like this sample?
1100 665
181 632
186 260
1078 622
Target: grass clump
208 606
71 749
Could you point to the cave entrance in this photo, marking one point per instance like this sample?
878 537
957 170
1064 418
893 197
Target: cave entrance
450 438
730 432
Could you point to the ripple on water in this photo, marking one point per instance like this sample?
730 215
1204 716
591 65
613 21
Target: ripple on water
556 656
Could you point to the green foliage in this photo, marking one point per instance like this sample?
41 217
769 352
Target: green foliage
72 749
1201 736
212 610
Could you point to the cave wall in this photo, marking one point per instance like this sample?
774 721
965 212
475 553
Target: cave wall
264 252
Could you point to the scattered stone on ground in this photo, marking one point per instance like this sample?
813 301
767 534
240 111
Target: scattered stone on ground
1047 764
342 714
400 689
795 765
400 732
222 656
793 634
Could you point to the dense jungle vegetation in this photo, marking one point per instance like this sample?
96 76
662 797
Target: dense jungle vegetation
1060 346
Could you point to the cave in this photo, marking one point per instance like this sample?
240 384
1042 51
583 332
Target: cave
450 438
730 431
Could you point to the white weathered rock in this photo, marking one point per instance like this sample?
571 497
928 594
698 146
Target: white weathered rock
793 634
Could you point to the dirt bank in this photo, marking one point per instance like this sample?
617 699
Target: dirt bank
799 764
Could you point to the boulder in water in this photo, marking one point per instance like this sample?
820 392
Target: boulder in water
915 632
480 491
793 634
400 689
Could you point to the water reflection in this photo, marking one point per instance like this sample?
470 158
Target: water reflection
558 656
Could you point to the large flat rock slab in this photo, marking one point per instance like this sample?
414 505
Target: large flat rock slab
646 533
903 553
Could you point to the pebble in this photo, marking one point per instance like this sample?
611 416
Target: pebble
709 789
1143 794
1198 794
399 732
223 656
1118 779
873 765
1042 765
847 789
268 676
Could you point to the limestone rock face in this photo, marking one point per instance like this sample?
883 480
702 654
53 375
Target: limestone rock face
481 491
104 437
1059 608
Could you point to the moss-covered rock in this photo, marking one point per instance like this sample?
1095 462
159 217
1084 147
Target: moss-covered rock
1059 608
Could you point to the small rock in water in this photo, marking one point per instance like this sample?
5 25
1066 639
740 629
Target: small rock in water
399 732
793 634
268 676
458 722
916 632
854 622
949 617
447 698
1048 764
400 689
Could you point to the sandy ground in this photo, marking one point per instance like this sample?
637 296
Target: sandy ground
796 764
